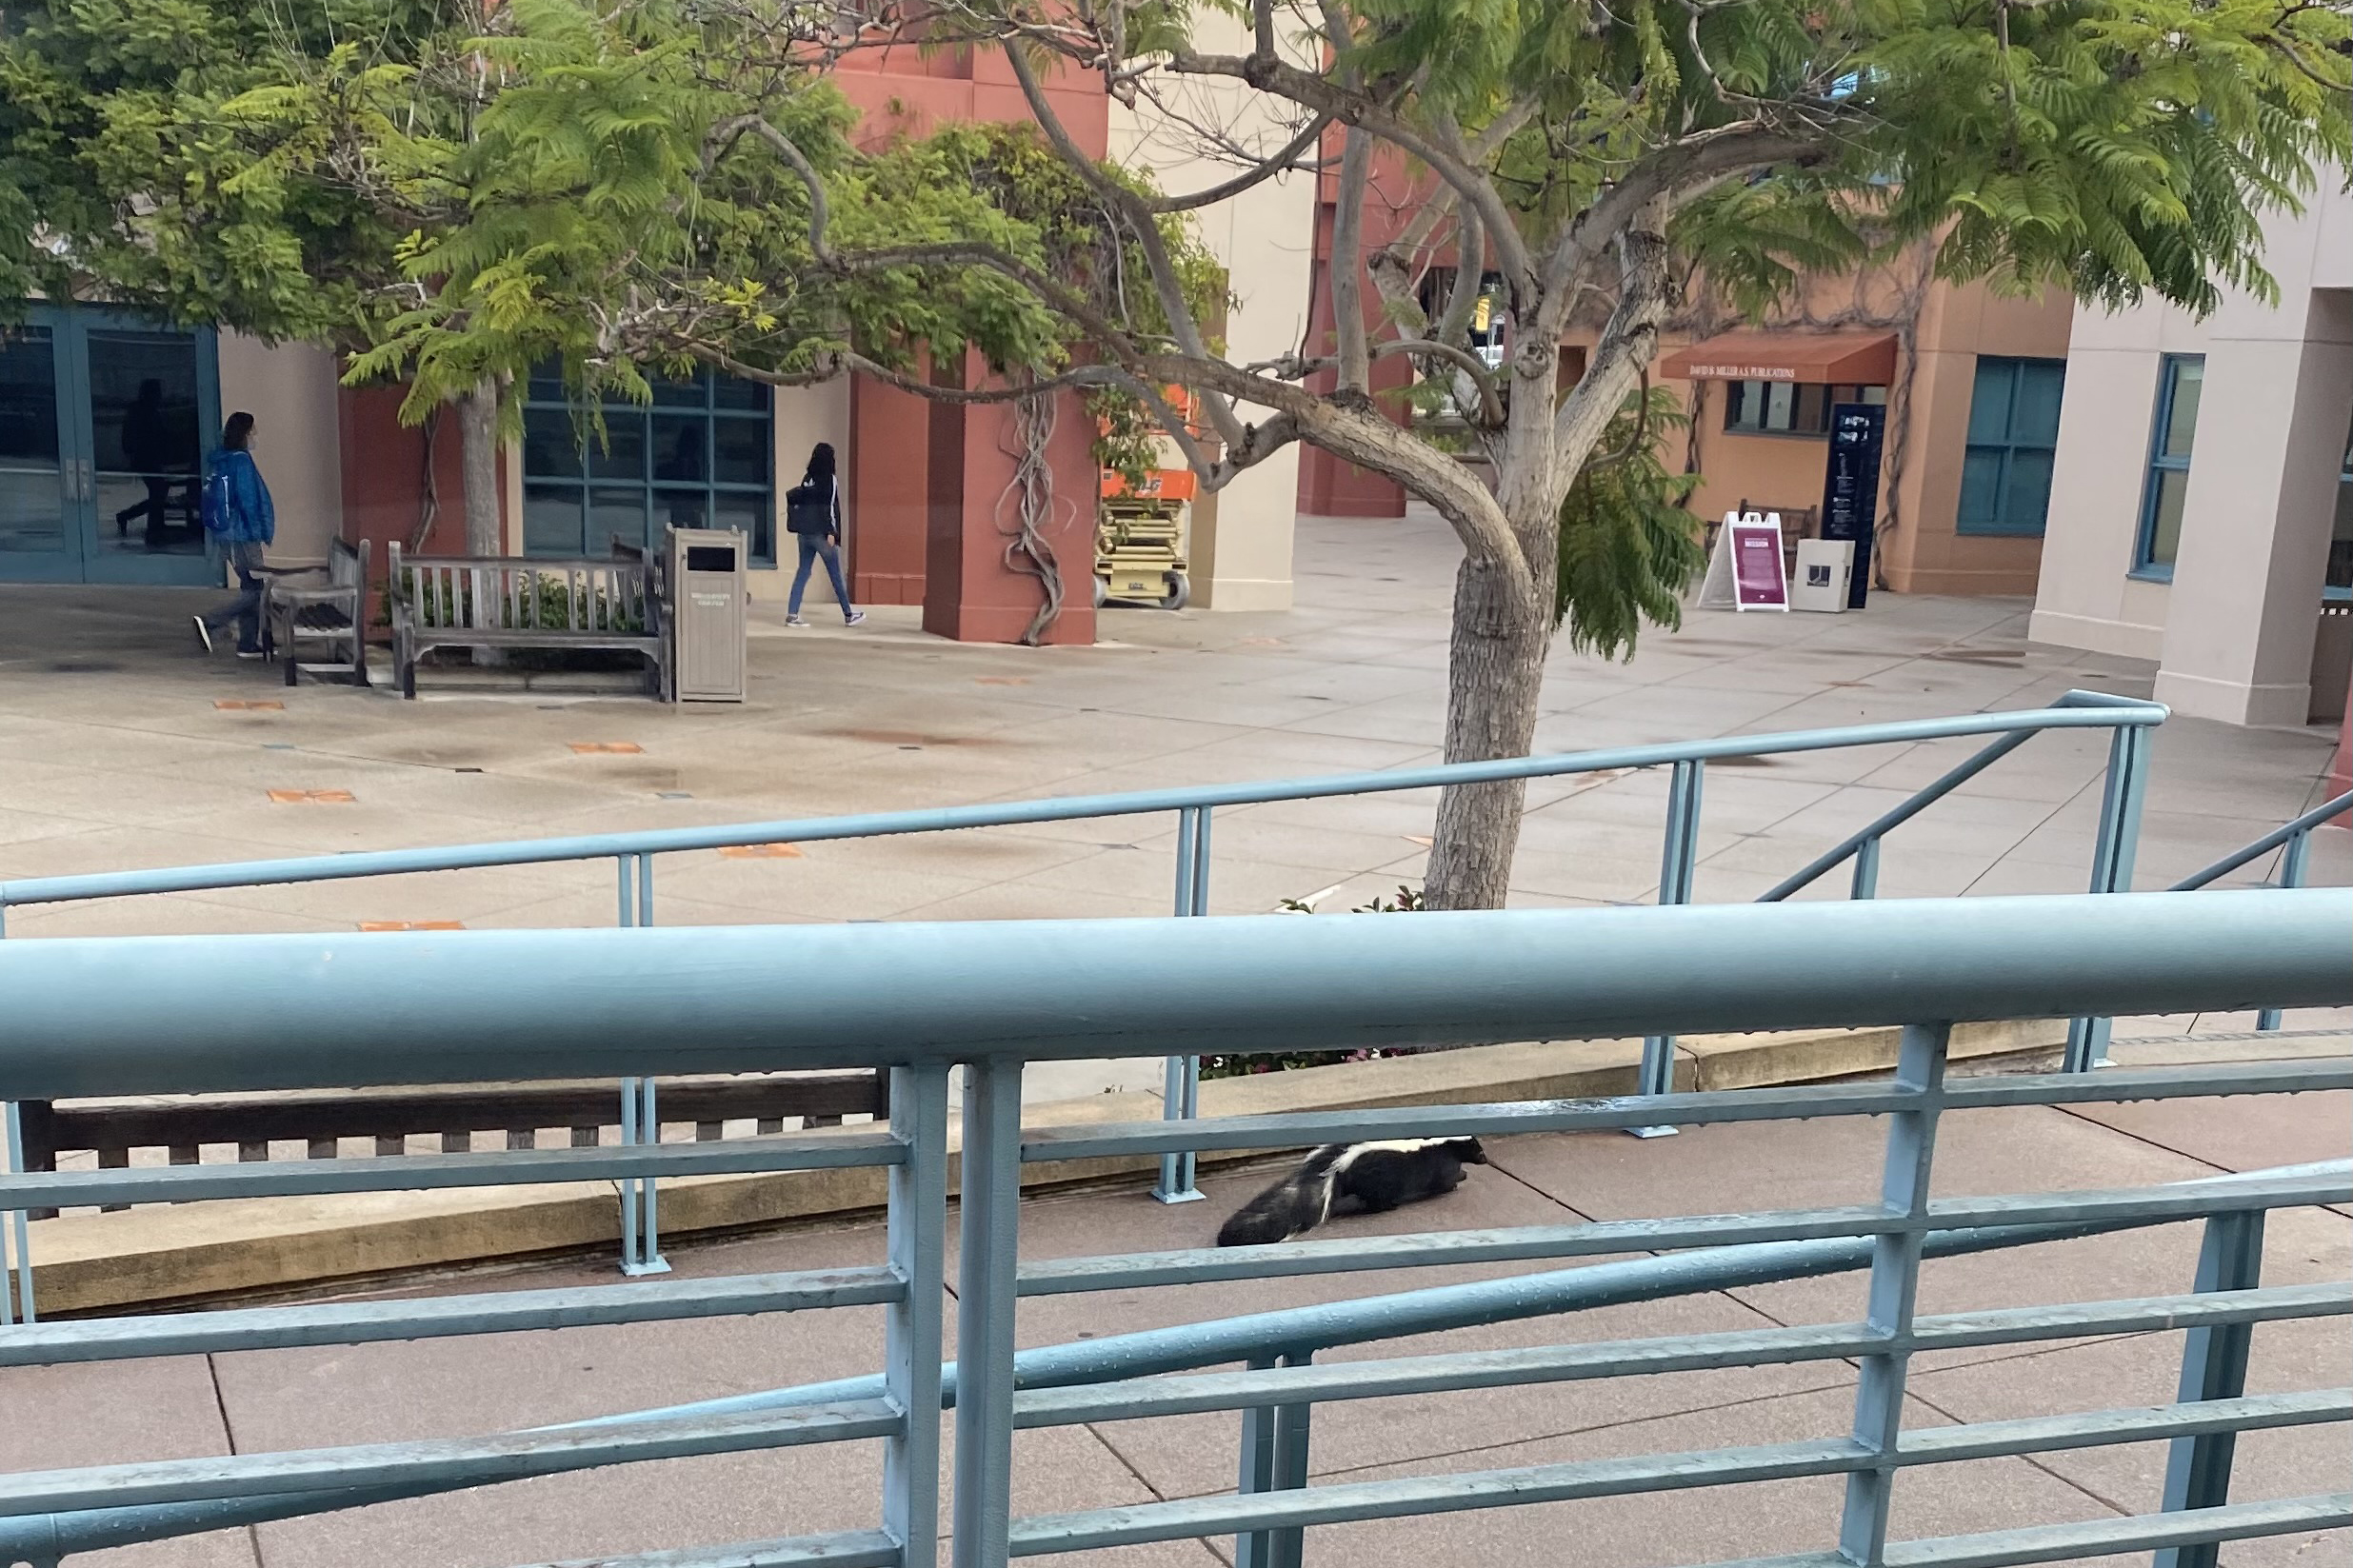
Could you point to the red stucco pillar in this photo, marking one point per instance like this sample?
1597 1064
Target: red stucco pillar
971 592
888 500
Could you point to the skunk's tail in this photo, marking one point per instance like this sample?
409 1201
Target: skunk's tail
1292 1206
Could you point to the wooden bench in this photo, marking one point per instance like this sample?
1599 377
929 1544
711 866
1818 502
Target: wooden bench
320 1119
499 602
331 617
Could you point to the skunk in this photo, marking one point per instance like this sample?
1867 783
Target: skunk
1377 1176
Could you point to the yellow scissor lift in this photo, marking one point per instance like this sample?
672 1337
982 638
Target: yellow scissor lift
1140 540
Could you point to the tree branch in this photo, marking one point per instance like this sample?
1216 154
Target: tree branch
1348 263
1267 167
1470 265
1165 282
1624 352
1447 158
1675 173
1360 435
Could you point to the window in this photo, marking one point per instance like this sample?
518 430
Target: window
1788 408
2005 471
701 457
2180 378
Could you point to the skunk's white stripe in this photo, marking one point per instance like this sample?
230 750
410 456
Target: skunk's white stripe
1394 1145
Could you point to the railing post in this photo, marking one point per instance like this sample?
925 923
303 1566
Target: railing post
641 1120
2213 1367
1251 1550
1179 1094
1866 871
2292 866
1275 1458
916 1229
2111 867
1678 869
1289 1542
1895 1285
989 1236
15 1234
17 1239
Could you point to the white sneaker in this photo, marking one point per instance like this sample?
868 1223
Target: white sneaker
794 621
853 618
204 633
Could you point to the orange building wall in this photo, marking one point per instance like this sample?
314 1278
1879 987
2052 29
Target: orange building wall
1958 324
1924 554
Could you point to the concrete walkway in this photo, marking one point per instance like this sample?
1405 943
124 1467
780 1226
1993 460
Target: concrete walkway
257 1401
122 746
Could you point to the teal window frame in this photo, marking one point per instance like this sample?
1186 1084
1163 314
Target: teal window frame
1998 453
619 478
2145 563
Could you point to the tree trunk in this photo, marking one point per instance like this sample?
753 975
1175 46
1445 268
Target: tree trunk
1495 670
478 420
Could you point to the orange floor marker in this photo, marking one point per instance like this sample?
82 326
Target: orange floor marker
239 705
760 851
311 797
620 749
412 925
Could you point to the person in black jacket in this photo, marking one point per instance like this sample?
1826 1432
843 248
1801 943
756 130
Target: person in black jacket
823 475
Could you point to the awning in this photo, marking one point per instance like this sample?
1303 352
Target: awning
1845 359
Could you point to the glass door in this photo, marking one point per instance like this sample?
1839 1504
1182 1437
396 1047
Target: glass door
104 424
39 540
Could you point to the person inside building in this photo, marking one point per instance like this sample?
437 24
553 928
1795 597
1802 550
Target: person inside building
813 512
146 446
237 512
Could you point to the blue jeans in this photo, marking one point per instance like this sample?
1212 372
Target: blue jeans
246 610
812 546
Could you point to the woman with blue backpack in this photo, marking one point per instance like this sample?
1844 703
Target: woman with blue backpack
238 514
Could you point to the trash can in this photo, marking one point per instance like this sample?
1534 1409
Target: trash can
708 620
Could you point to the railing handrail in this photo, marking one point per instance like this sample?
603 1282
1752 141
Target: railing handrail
2265 845
2074 710
106 1015
204 1011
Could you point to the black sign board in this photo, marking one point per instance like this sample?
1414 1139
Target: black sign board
1850 490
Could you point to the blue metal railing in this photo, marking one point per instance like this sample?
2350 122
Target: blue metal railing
199 1014
2297 836
2128 720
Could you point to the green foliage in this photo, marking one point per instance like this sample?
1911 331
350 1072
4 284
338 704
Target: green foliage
124 168
615 226
1628 548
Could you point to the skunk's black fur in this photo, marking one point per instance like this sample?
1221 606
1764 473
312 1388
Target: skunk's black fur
1372 1176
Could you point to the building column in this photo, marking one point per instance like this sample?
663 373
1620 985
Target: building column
970 591
885 489
2246 581
1240 552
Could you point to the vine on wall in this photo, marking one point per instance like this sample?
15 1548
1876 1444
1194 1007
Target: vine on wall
1027 508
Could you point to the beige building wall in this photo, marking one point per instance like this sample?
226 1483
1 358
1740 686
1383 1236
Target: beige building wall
1241 548
2233 630
290 389
805 416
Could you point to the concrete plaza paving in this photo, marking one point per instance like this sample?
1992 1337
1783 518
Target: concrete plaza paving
119 748
256 1402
